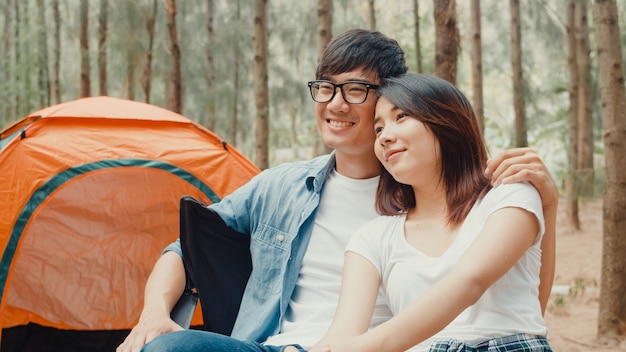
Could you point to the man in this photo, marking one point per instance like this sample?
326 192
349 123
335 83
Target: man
300 216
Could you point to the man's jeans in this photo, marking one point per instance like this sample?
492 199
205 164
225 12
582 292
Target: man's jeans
197 340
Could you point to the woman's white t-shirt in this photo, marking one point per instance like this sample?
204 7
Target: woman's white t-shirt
511 305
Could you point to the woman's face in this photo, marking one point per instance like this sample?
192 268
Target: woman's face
405 146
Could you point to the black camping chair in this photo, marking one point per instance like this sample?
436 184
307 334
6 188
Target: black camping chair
217 264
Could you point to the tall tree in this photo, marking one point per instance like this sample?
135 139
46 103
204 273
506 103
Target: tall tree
7 74
324 36
44 76
85 82
571 180
612 311
521 139
146 77
418 45
585 118
102 47
56 81
261 94
175 99
324 25
211 116
17 75
477 64
236 67
372 14
446 39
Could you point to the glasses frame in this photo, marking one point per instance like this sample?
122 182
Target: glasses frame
367 85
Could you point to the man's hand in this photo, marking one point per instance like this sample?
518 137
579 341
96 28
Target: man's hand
145 331
523 164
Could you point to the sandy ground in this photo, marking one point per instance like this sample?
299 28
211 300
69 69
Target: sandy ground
572 314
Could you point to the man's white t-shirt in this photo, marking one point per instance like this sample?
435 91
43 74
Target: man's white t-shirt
510 306
346 205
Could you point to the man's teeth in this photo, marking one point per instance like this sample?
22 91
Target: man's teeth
340 123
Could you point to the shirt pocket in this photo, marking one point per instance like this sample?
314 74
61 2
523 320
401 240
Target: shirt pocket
270 249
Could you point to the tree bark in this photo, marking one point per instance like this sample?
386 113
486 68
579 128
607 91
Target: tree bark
56 85
146 77
372 14
7 75
102 47
211 115
521 139
571 180
324 36
585 118
477 64
44 75
446 39
235 117
418 48
85 82
176 98
612 311
17 75
260 84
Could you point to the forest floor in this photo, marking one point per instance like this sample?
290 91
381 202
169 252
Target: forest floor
572 314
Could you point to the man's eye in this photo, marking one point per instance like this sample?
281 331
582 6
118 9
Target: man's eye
356 89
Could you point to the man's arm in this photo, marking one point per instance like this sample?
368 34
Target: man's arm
164 287
523 164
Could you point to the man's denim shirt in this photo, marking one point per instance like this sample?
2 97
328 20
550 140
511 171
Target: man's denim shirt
277 207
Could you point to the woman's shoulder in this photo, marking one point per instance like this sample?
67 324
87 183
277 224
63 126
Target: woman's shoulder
512 192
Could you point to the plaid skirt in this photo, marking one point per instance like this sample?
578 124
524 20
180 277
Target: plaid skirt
518 342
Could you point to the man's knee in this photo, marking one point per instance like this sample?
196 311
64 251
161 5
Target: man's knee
170 342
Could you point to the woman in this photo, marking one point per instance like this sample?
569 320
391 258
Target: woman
458 261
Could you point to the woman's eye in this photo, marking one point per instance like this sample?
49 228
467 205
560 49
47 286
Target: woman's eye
400 116
377 130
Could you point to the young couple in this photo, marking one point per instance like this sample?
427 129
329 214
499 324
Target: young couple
452 256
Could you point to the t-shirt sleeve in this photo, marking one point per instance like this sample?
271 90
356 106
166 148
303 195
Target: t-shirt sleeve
519 195
368 242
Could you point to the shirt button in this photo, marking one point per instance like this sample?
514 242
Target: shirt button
303 215
280 238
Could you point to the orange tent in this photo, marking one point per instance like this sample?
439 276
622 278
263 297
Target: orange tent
90 192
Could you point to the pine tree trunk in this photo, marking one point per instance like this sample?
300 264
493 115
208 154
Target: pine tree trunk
585 118
56 85
518 92
418 45
235 118
324 36
211 115
260 84
85 83
372 14
102 48
44 76
7 75
146 77
175 99
612 311
17 76
571 180
446 39
477 64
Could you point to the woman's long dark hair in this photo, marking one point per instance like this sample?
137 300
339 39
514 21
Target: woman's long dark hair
450 117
